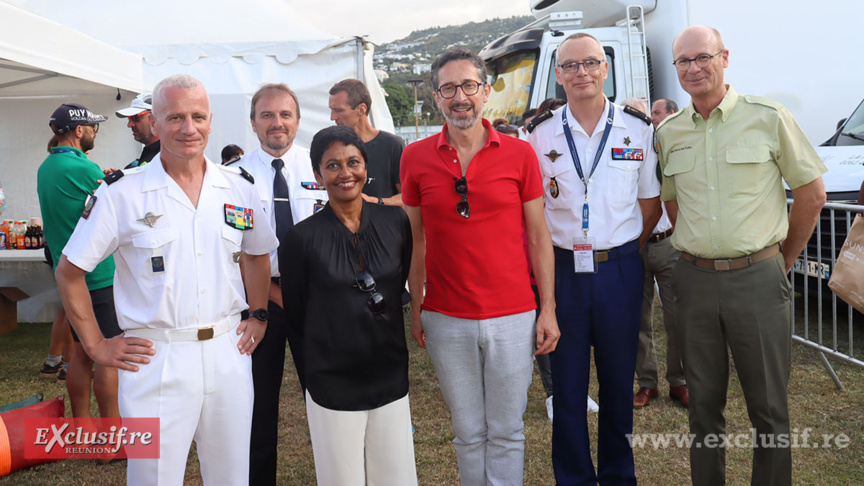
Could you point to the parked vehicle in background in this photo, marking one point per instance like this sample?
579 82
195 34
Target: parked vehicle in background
765 44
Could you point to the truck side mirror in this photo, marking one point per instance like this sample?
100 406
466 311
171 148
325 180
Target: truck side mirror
840 123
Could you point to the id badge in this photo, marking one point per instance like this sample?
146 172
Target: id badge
583 255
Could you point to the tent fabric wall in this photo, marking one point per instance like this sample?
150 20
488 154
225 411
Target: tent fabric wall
65 60
233 48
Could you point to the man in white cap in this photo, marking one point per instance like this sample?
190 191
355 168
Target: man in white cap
138 116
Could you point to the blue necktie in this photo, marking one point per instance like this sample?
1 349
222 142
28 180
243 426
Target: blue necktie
281 204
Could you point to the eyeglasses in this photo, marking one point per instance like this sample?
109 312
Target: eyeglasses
590 65
94 126
366 283
137 118
468 87
462 207
702 60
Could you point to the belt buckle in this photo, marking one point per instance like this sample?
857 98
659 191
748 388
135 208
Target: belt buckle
601 256
205 333
722 265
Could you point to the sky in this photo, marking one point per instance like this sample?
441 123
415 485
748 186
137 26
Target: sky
388 20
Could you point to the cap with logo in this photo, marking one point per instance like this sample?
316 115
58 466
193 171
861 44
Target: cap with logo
143 102
70 115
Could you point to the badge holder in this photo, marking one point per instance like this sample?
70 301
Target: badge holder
583 255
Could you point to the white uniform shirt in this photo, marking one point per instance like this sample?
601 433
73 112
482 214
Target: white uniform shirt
664 223
297 170
615 217
181 272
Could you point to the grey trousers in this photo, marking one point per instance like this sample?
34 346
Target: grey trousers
659 259
484 368
746 311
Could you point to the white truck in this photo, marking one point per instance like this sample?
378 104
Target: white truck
801 53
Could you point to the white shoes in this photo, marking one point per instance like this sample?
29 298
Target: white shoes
592 406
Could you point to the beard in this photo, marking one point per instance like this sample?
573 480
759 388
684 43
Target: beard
87 143
468 118
276 146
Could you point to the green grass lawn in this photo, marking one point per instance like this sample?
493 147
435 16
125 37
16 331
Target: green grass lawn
815 404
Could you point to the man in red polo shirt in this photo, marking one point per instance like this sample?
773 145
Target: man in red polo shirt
467 192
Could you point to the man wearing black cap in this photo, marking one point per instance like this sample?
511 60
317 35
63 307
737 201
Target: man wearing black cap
138 116
65 183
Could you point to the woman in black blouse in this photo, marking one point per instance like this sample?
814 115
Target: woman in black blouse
343 271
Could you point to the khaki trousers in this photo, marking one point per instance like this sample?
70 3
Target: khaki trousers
659 259
748 312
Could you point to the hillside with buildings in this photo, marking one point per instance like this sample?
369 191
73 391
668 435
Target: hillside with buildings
410 59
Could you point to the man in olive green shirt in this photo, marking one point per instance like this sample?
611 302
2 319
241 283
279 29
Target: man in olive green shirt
724 160
65 183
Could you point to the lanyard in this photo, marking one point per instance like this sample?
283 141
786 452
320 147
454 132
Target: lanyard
575 156
60 151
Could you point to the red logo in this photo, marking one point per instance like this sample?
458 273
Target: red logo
86 438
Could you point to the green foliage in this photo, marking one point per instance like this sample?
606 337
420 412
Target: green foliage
400 101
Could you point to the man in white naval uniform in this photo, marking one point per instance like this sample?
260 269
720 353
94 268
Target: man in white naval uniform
178 228
275 117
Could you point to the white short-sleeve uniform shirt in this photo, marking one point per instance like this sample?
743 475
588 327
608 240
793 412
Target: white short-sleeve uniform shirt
621 177
303 192
179 267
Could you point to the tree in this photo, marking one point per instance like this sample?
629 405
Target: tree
400 101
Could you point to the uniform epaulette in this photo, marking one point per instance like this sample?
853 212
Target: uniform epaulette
113 177
638 114
246 175
237 170
761 100
537 120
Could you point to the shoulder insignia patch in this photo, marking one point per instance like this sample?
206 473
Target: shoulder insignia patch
246 175
638 114
113 177
537 120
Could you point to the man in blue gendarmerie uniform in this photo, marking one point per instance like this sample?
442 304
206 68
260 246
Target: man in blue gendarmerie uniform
602 200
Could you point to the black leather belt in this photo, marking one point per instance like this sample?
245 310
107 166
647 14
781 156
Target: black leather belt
654 238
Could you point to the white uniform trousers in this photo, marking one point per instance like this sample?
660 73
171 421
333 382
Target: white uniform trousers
358 448
199 390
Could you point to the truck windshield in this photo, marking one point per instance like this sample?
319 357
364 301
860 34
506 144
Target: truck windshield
853 131
510 77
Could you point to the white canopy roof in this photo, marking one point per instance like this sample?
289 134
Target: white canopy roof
41 57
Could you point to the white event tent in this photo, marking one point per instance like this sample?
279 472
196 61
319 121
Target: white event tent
42 65
232 47
121 48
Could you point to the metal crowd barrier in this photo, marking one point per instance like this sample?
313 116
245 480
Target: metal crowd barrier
809 277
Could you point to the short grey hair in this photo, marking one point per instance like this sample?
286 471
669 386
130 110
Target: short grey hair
458 54
183 81
579 35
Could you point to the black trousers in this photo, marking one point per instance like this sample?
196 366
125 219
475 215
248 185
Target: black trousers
268 362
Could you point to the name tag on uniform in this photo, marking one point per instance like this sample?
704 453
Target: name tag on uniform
238 218
626 154
583 255
312 186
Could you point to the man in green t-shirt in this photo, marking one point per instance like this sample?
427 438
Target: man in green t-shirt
65 184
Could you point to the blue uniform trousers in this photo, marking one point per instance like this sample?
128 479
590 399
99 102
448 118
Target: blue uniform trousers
600 310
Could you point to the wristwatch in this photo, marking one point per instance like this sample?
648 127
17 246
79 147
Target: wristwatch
260 314
380 200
